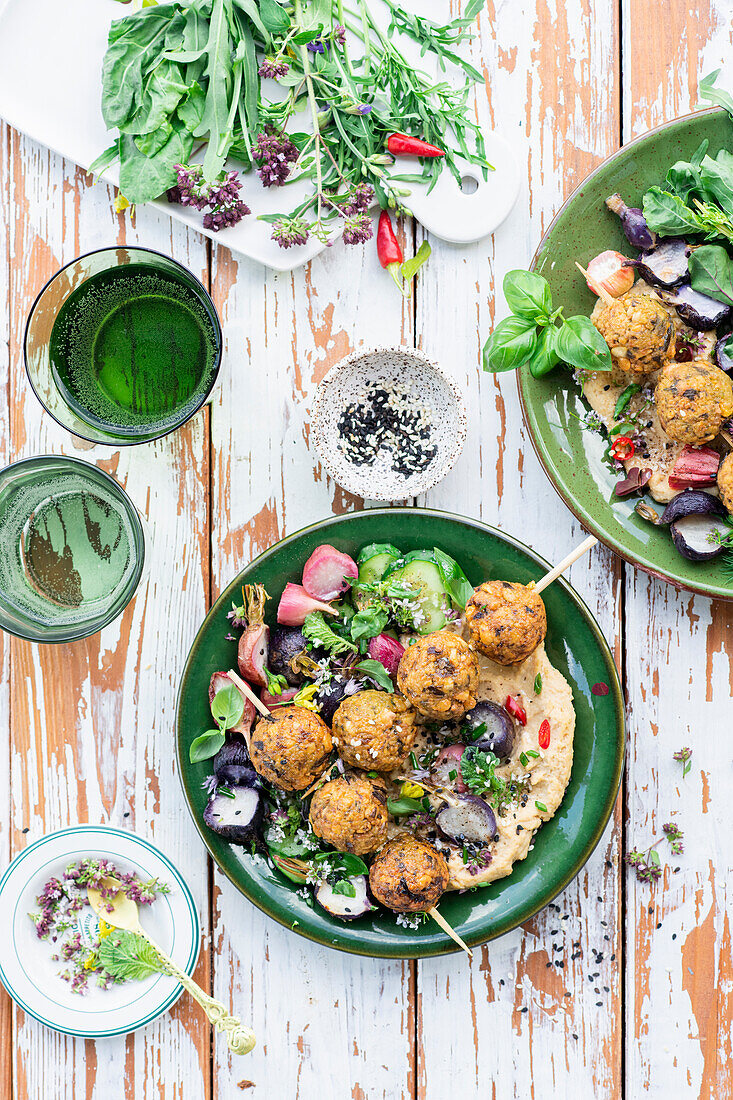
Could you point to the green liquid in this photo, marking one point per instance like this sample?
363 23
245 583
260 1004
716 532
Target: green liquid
67 549
134 349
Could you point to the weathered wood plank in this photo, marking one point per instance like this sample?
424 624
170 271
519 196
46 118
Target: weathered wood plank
679 962
92 723
523 1017
328 1024
6 1008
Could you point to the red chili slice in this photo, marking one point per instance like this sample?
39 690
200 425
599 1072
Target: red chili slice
622 448
600 688
516 709
544 735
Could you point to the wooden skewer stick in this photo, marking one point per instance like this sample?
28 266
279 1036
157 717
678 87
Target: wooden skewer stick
578 552
440 919
247 691
606 298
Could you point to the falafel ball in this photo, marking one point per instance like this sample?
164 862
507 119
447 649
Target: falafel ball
408 875
725 481
638 330
350 812
506 621
439 675
292 750
693 400
374 730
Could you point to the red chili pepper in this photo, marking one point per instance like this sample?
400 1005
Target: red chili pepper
622 448
544 735
696 467
516 709
389 250
402 145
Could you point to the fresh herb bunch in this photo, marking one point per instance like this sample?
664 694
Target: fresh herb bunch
181 74
647 865
227 709
537 334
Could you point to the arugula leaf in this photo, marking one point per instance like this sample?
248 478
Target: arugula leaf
317 630
227 707
579 343
216 107
668 215
711 272
401 807
455 581
125 956
717 96
511 344
206 745
376 671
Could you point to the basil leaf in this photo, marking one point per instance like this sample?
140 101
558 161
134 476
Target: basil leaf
527 294
667 214
368 623
376 671
624 399
455 581
711 272
343 886
579 343
227 707
511 344
545 357
206 745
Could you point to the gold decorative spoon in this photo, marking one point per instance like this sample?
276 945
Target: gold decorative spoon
121 912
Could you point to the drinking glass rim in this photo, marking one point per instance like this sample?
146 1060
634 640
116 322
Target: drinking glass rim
140 545
217 328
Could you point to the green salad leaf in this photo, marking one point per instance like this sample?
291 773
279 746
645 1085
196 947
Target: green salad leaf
455 581
376 671
317 630
125 956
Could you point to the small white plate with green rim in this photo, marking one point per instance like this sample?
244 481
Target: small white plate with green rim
32 977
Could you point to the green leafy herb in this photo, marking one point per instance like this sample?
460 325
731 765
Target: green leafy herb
227 708
369 622
478 772
668 214
717 96
455 581
647 864
376 671
624 398
318 631
343 886
685 757
711 272
401 807
125 956
539 336
538 683
206 745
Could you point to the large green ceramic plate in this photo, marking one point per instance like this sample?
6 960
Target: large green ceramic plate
571 455
575 645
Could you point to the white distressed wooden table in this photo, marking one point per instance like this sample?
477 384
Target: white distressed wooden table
617 990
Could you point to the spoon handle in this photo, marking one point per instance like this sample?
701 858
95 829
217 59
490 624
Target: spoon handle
240 1039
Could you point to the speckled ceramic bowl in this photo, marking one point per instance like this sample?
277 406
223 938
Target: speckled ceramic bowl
421 381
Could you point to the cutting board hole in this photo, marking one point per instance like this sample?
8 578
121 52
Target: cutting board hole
469 185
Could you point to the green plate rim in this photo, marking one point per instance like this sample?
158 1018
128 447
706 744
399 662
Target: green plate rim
189 967
441 944
524 378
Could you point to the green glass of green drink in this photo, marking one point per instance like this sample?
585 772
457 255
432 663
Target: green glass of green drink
72 549
122 346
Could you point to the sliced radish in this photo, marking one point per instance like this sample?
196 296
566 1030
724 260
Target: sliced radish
469 821
325 573
272 701
295 605
235 816
252 654
221 680
388 651
449 760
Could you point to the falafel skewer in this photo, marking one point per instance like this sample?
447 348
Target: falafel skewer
566 562
449 931
247 691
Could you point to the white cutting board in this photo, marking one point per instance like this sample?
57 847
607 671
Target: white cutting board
50 86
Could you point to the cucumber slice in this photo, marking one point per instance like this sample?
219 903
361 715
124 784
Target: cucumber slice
419 572
372 569
375 548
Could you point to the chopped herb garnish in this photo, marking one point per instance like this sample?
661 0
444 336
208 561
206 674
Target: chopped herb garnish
541 807
533 753
523 759
538 683
452 774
